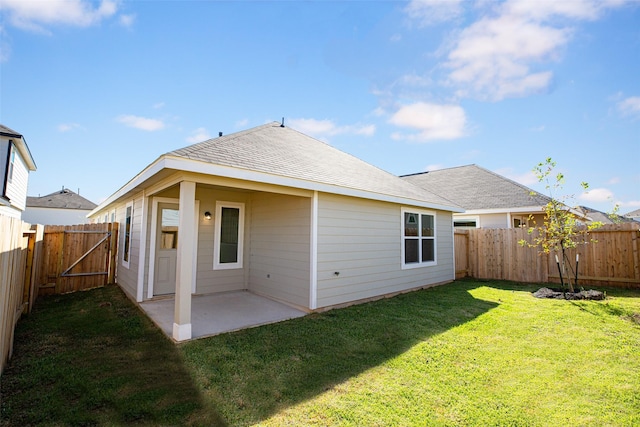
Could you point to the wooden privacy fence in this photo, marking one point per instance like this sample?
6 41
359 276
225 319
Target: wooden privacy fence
614 260
78 257
20 252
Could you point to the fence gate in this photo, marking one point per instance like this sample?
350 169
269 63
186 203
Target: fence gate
78 257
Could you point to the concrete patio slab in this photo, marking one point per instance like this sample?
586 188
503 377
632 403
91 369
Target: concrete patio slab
218 313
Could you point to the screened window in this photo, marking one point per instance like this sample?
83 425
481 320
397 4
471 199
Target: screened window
127 235
229 226
418 238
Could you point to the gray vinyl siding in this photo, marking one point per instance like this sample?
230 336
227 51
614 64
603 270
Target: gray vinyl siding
280 247
209 280
360 240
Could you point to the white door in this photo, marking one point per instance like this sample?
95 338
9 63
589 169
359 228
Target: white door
166 249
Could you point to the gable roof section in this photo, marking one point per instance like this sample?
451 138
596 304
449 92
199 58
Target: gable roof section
279 155
21 145
476 188
61 199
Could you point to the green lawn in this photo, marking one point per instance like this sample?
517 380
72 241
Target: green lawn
468 353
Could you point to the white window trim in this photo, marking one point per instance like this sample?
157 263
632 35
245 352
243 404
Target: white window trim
420 263
216 239
127 263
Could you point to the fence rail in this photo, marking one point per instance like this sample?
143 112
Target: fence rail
612 260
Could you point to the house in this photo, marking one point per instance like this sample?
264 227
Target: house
634 215
62 207
490 200
603 217
15 164
277 213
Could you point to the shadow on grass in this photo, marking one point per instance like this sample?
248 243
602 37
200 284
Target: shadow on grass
252 374
93 358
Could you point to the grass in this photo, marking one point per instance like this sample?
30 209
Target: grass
469 353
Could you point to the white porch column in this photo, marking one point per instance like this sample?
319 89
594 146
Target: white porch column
185 274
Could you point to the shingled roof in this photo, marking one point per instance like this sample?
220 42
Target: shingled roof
476 188
61 199
281 151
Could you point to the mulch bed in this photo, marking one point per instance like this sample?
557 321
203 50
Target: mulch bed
559 294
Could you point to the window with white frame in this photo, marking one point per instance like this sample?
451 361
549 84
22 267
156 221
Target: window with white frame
229 235
128 219
418 238
12 163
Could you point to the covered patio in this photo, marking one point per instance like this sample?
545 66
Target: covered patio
214 314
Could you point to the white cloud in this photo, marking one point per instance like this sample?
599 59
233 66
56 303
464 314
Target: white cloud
433 121
434 167
5 47
32 14
141 123
321 128
537 128
66 127
497 56
127 20
428 12
630 106
199 135
242 123
597 195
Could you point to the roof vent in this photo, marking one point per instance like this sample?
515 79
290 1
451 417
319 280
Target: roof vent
282 124
219 133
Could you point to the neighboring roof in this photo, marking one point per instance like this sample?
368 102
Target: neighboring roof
21 145
279 155
603 217
476 188
633 214
61 199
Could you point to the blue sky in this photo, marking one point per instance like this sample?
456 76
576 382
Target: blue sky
101 89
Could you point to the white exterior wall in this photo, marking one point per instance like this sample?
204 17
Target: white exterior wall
361 240
17 188
280 247
498 220
55 216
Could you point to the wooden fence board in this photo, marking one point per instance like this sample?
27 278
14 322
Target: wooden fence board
17 278
495 254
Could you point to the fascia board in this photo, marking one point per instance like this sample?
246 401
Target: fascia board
24 151
146 173
526 209
189 165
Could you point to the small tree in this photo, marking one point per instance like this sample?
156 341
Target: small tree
562 229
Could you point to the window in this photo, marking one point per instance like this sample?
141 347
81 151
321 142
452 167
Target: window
12 162
127 234
418 238
465 223
229 235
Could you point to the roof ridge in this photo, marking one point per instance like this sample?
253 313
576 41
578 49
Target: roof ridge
231 136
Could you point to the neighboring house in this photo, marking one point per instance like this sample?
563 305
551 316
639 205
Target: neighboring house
634 215
63 207
280 214
490 200
15 164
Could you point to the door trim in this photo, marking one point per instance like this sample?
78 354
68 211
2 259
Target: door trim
153 241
